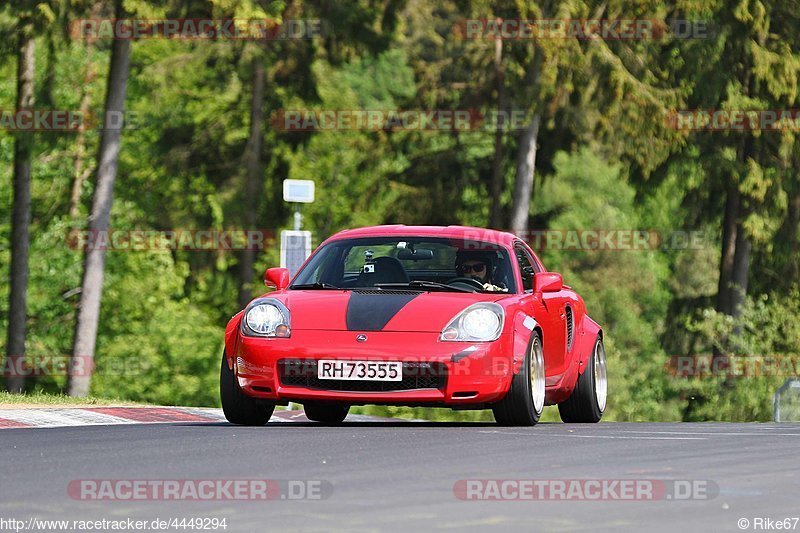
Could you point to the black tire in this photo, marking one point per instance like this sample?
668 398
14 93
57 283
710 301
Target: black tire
587 402
326 412
238 407
519 408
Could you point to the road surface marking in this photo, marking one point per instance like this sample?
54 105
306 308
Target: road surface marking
716 433
632 437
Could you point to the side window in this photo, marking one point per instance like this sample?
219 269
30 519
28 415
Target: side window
526 268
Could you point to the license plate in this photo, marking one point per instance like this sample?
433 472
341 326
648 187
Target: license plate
360 370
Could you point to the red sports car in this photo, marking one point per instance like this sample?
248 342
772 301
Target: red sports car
454 317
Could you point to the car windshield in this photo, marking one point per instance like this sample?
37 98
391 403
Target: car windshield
419 263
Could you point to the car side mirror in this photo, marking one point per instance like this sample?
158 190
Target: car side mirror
547 282
277 277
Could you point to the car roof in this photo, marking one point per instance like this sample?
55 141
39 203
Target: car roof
467 233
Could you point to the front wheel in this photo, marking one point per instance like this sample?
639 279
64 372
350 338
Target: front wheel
588 401
327 413
238 407
524 402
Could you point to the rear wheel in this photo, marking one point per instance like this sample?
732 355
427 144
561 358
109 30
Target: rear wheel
524 402
326 412
588 401
237 406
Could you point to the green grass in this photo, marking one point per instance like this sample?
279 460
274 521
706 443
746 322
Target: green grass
44 399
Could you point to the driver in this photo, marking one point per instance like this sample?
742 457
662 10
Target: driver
480 266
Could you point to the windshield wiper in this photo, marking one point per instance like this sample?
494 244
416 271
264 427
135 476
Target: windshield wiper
424 285
316 286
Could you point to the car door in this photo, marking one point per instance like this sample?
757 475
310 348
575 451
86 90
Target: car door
548 308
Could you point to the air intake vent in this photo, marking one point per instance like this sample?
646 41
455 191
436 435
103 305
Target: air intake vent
384 291
416 375
570 328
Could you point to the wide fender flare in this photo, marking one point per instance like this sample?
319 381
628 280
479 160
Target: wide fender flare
589 331
524 326
232 336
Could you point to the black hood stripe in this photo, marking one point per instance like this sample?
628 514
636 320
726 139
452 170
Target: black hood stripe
371 312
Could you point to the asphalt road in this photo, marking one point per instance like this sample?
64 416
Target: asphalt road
401 476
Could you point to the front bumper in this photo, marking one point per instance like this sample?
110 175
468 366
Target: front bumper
474 373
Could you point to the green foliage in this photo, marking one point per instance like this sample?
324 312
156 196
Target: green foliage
764 346
625 290
162 347
351 167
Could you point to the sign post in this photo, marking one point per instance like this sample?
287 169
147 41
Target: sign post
296 243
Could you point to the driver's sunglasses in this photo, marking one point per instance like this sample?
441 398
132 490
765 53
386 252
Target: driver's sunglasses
480 267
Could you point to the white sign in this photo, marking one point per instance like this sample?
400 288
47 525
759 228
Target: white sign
295 249
301 191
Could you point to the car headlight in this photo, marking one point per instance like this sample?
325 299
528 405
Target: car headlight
266 318
481 322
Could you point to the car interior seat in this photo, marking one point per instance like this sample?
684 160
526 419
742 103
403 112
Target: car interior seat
386 270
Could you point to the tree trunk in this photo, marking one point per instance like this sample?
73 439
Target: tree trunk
20 218
81 173
729 232
253 180
793 221
523 184
731 229
741 270
49 72
496 184
94 261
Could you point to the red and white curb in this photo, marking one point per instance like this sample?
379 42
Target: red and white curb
108 416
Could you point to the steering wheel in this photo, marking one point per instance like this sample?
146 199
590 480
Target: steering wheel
471 283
